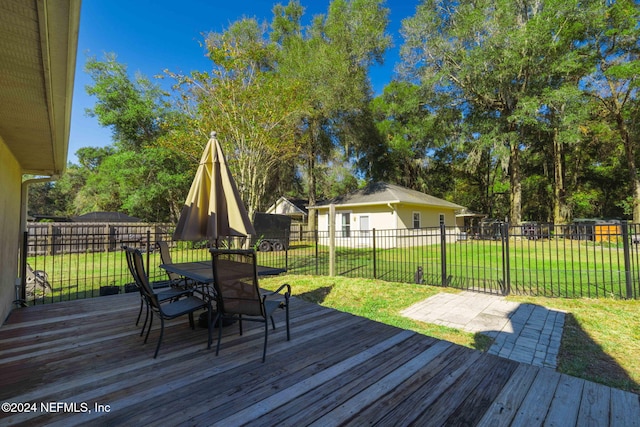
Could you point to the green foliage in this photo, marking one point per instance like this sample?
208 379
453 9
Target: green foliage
518 75
330 61
133 109
520 110
150 184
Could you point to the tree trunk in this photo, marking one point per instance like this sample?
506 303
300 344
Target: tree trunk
560 211
515 180
311 167
631 164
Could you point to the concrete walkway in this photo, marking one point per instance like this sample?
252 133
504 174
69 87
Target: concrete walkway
522 332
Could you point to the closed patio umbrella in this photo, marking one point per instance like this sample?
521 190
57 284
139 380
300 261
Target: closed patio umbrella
213 208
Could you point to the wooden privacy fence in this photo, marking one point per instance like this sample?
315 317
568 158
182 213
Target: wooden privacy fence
75 237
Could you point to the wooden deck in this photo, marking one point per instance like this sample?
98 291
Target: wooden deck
338 369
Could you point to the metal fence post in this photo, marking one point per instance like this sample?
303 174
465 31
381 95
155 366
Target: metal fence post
506 264
315 234
627 258
287 238
443 255
332 240
148 252
375 271
23 266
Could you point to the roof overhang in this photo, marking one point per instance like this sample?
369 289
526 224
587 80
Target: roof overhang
357 205
38 47
384 203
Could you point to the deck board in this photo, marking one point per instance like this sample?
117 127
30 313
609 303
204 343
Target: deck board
338 369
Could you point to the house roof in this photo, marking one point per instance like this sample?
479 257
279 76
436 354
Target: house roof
38 45
466 213
378 193
288 206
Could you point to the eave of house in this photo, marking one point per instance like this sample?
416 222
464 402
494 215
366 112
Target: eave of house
38 46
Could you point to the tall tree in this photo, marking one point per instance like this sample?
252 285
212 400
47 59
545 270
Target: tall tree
614 84
491 56
418 138
136 176
331 60
149 184
133 109
249 105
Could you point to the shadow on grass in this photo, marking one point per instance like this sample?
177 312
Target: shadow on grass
524 334
316 296
481 341
581 357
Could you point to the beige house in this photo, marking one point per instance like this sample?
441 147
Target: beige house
294 208
385 207
38 45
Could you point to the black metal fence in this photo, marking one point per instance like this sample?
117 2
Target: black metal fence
577 260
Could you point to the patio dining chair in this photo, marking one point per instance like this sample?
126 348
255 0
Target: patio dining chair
170 309
238 295
165 257
163 292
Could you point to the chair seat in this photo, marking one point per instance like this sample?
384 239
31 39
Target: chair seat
159 284
164 294
182 306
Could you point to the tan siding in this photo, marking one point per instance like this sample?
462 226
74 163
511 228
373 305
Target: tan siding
429 217
10 179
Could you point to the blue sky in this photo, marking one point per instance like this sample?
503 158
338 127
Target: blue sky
151 36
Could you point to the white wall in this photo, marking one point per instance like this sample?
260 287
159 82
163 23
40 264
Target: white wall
10 185
382 218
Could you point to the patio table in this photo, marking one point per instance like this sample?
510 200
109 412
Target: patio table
202 271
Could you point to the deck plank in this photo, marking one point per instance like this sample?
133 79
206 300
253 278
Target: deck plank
350 409
337 369
566 403
622 405
408 402
594 408
536 403
505 407
309 406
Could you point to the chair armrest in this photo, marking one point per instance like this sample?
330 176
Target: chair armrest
278 292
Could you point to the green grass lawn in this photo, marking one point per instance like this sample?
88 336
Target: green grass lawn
559 267
562 268
601 339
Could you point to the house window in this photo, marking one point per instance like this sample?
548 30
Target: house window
364 225
416 220
346 224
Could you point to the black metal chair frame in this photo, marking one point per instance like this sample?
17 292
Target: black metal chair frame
170 309
267 306
161 289
165 257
